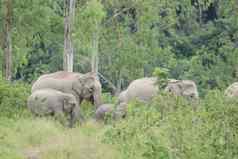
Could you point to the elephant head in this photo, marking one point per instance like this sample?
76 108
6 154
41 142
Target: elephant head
89 88
232 90
185 88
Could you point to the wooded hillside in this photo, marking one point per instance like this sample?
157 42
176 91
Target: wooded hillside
193 39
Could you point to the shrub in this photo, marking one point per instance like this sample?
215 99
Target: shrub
13 99
170 128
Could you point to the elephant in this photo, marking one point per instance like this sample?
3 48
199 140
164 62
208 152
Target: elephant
102 111
145 89
185 88
50 102
232 90
82 86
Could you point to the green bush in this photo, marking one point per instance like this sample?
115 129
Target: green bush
173 128
13 97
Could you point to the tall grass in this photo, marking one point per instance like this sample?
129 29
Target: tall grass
173 128
47 139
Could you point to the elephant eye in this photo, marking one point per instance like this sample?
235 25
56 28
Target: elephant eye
170 90
73 104
91 89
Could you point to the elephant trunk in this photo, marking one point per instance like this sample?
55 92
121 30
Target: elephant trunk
97 99
75 116
97 94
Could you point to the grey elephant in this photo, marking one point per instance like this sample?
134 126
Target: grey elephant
102 111
50 102
82 86
232 90
185 88
145 89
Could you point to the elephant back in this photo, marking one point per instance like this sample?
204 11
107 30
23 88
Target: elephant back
143 89
61 75
40 101
61 81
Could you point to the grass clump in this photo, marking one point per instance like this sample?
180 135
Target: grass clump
47 139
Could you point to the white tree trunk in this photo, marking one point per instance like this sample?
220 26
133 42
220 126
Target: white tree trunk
7 41
68 41
95 60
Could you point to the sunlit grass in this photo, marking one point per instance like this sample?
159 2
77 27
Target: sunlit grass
47 139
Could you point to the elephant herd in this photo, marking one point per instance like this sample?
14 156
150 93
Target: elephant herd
60 94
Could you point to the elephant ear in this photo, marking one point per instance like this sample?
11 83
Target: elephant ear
93 87
77 85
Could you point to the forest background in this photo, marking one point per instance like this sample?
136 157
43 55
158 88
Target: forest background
193 39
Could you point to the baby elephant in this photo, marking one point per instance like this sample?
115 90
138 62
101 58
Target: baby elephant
52 102
102 111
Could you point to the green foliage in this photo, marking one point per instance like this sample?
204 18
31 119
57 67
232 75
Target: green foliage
87 24
195 40
13 97
162 76
35 32
174 128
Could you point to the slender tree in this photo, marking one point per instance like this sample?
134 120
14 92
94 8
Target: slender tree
90 20
94 59
68 43
7 41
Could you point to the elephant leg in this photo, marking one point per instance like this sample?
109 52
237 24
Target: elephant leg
75 115
59 115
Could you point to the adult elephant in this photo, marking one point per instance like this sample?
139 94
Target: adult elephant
47 102
82 86
145 89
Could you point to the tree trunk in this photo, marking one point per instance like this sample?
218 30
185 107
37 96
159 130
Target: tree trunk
68 42
95 60
7 41
119 85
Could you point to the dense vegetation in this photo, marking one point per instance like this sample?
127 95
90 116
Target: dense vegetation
195 39
192 39
166 128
